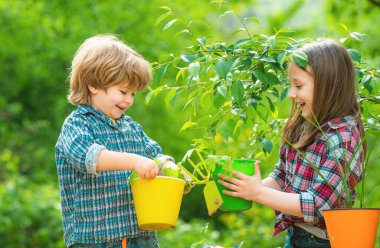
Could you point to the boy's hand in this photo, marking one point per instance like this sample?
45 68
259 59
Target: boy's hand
146 168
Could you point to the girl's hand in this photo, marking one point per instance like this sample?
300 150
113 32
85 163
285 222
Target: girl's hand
146 168
244 186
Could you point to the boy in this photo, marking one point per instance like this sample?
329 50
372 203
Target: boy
99 146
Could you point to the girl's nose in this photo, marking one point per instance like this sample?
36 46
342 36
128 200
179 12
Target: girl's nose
291 93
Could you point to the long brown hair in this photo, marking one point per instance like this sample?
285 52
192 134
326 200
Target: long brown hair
334 92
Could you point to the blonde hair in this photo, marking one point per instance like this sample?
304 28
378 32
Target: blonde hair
103 61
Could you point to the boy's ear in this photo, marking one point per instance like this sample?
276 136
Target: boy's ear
92 89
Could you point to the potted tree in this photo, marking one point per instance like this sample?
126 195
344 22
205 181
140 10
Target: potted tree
232 87
206 172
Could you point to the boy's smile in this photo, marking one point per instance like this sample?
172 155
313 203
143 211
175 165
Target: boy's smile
301 89
112 101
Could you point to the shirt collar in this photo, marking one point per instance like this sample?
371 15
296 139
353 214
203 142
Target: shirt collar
89 109
340 122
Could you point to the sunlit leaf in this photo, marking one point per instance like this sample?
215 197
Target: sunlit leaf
272 41
222 89
180 73
169 24
166 8
242 42
202 41
194 68
187 125
357 36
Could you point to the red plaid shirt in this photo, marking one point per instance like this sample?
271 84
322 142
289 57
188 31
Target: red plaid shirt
294 174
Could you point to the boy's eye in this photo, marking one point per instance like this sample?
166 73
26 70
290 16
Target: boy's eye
123 92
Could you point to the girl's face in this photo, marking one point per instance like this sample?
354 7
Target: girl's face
114 100
302 89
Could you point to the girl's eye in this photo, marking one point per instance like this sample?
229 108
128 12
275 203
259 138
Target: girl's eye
298 86
123 92
133 94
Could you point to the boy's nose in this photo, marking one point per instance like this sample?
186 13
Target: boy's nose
128 99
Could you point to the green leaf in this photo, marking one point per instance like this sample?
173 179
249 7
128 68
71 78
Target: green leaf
223 67
170 96
272 41
169 24
162 17
202 41
281 57
167 8
271 105
180 73
357 36
160 73
222 89
253 19
266 77
187 125
300 58
355 55
194 68
237 91
218 100
242 42
267 145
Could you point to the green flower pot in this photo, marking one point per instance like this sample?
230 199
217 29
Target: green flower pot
231 203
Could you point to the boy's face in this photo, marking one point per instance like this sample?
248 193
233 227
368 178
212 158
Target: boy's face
114 100
301 89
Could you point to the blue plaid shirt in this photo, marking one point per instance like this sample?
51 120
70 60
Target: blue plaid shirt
98 207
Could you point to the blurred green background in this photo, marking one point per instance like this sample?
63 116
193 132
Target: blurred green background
37 42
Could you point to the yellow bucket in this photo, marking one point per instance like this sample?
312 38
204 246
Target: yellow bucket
157 202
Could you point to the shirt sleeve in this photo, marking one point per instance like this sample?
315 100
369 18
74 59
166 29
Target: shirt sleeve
327 186
79 146
279 172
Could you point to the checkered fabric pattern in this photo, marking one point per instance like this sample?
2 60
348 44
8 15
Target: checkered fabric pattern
98 207
293 173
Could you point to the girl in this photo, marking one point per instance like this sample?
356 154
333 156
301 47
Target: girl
323 93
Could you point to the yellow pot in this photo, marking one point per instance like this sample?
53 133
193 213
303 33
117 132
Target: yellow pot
157 202
352 228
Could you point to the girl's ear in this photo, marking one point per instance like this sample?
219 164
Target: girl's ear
92 89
